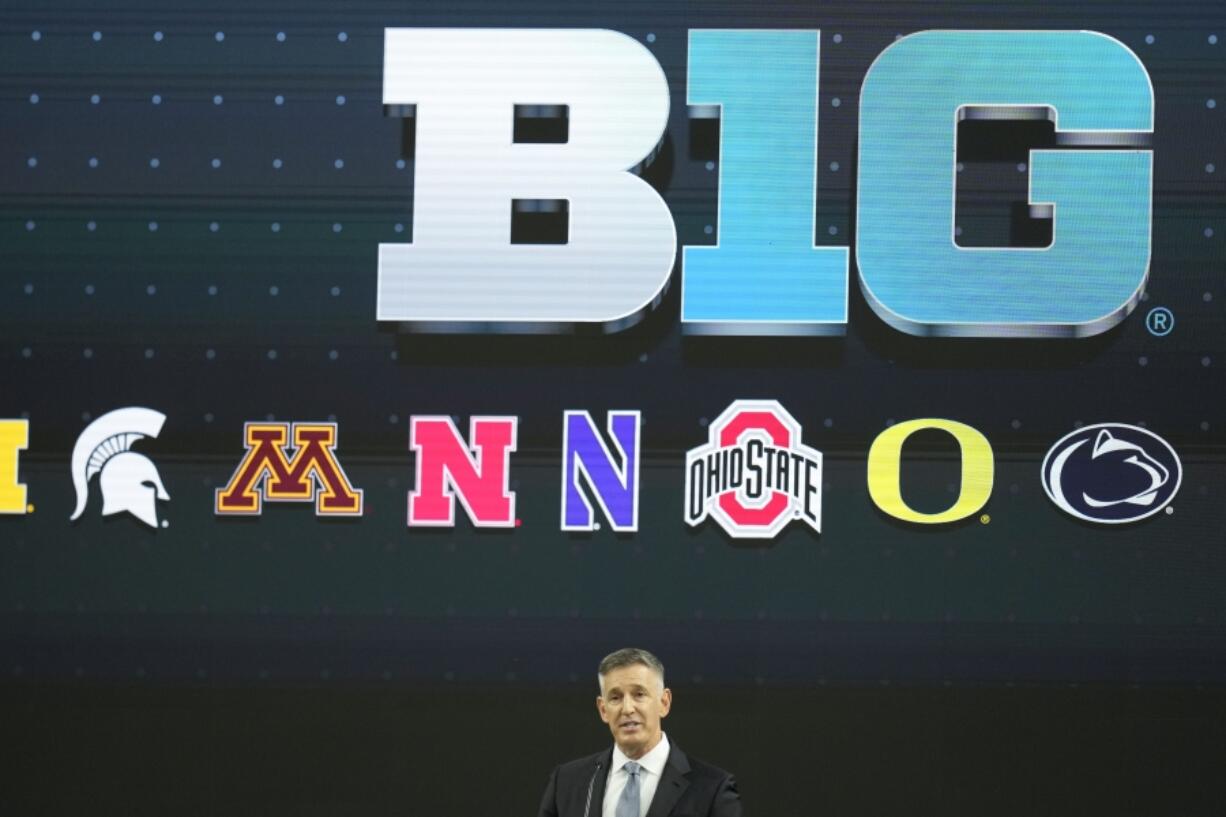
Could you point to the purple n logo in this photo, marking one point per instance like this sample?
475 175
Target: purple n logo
615 485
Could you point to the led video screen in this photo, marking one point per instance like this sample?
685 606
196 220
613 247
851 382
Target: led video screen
807 343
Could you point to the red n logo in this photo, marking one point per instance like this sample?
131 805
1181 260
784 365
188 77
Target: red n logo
478 474
311 474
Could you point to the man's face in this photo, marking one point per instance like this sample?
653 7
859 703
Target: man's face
633 701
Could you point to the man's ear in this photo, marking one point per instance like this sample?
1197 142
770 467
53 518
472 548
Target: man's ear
666 701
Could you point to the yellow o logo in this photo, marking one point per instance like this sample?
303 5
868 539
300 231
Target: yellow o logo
885 471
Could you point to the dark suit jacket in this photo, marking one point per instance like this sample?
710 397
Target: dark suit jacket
688 788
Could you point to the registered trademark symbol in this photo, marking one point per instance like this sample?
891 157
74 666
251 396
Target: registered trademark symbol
596 526
30 508
1169 510
984 519
1160 321
165 523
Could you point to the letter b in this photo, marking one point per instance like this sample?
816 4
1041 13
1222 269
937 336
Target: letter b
461 267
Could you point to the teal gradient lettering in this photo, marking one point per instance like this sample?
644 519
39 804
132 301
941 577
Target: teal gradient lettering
912 272
764 276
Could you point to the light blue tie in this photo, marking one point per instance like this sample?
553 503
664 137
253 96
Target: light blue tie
628 803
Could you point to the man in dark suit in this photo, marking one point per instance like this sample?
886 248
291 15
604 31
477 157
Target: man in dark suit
642 774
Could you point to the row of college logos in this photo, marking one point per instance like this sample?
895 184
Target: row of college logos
753 476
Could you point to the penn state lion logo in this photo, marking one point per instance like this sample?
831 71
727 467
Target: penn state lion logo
129 481
1111 473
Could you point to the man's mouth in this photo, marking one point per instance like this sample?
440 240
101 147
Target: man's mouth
631 725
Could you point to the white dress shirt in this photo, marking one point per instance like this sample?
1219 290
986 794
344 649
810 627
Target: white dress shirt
651 767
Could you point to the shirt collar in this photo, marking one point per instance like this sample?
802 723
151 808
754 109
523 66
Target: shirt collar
654 761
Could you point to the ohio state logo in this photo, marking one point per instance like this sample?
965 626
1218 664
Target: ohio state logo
754 475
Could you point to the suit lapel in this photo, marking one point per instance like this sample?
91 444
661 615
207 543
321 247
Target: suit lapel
673 783
602 776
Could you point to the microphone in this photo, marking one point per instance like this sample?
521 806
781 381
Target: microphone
588 805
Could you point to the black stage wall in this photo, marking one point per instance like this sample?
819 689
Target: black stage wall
342 751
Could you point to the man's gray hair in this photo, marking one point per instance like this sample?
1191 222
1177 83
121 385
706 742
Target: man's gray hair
628 657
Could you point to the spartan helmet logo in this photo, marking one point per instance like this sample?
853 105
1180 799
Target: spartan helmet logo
129 480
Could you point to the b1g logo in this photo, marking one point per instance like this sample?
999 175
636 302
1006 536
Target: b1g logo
613 259
754 475
1111 473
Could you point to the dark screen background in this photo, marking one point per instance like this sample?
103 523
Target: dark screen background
283 663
